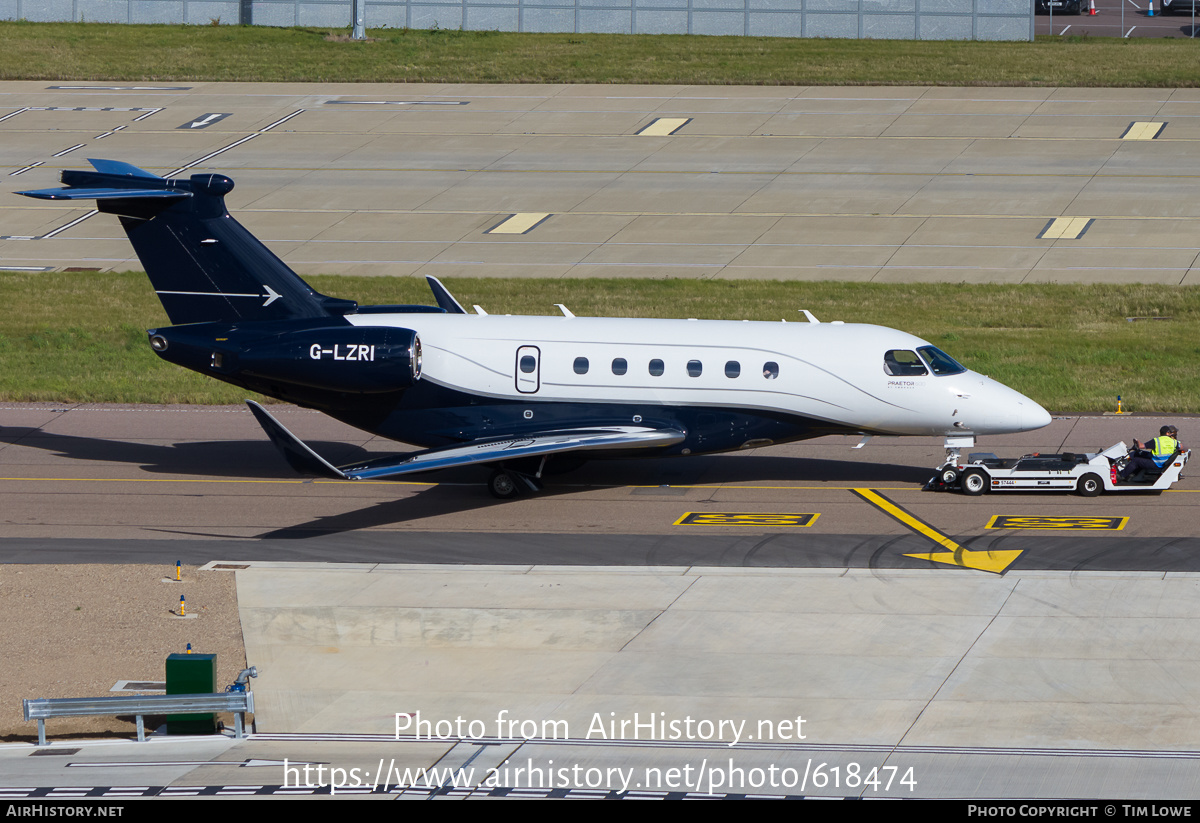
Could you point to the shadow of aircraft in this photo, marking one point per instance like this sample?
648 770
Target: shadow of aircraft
228 458
260 460
693 471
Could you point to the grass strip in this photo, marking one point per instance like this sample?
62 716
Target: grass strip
72 337
111 52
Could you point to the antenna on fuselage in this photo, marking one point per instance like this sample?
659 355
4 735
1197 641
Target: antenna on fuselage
809 316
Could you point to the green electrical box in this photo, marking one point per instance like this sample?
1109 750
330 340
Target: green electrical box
191 674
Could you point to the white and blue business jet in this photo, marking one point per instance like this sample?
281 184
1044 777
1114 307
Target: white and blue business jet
516 392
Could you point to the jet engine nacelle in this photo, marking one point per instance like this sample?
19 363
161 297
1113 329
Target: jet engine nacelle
356 360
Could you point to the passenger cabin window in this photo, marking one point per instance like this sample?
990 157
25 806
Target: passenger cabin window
528 364
770 370
656 368
900 363
620 365
581 365
733 368
694 368
939 362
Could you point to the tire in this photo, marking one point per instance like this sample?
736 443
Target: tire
1090 485
949 476
503 485
974 482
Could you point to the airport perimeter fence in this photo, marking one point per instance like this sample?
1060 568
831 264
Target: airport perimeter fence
872 19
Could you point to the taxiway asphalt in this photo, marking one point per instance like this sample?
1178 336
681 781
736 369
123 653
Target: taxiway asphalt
86 484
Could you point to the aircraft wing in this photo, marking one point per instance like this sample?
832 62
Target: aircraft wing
487 450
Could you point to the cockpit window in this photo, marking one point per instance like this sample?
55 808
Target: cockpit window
939 362
900 363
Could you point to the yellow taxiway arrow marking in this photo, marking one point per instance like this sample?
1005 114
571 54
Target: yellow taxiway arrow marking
956 555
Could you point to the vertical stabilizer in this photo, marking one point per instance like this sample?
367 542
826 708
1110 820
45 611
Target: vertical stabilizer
205 266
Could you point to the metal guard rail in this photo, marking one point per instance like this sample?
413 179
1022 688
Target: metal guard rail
239 703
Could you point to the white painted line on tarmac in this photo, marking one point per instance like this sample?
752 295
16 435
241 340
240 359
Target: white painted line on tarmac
397 102
120 88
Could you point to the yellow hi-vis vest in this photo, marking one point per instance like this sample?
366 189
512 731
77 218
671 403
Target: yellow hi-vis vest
1162 448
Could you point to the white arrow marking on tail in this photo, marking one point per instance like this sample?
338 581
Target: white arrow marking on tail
271 295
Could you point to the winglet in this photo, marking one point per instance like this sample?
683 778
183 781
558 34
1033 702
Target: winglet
299 456
443 296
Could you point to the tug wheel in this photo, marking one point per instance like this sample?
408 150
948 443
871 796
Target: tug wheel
974 482
1090 485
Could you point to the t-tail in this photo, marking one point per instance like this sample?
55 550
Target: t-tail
205 266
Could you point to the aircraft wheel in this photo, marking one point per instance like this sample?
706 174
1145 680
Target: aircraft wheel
1090 485
974 482
949 476
503 485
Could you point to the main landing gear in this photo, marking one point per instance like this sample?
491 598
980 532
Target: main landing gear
505 484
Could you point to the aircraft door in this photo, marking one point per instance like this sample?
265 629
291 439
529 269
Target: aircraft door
529 366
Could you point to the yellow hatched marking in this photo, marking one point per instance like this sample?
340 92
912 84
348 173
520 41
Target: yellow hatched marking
1065 228
519 223
1013 521
1143 130
664 126
745 519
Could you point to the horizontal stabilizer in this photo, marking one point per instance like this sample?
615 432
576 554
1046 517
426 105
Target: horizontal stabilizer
119 168
615 438
102 194
114 180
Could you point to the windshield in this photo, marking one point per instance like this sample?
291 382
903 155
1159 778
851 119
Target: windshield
939 362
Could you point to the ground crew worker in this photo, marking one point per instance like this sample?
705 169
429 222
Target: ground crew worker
1161 448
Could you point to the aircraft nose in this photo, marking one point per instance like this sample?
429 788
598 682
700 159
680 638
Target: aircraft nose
1012 411
990 407
1031 416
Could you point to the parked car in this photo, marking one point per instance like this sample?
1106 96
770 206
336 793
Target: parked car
1067 6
